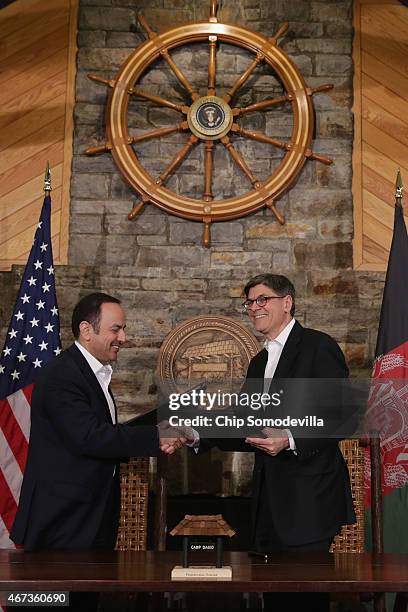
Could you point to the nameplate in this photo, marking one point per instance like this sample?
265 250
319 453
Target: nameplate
201 572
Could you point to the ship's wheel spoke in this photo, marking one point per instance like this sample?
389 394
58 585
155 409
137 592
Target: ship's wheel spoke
239 160
181 108
212 65
208 170
177 159
159 133
259 137
258 106
244 77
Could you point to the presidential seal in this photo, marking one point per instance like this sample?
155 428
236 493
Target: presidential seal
210 118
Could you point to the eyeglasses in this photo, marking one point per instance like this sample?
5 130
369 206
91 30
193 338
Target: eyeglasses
262 300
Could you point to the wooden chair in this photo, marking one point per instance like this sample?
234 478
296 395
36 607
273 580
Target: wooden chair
132 533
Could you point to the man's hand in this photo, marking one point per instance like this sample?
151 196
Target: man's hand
173 438
276 441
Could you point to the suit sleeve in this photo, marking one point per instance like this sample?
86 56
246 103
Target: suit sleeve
328 363
82 429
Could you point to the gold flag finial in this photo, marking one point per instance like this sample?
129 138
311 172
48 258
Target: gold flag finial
399 187
47 179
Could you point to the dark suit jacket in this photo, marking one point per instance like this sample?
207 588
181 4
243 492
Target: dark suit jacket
73 453
309 492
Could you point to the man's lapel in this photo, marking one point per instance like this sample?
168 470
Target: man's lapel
90 376
289 353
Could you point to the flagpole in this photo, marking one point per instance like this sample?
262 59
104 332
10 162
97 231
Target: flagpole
47 180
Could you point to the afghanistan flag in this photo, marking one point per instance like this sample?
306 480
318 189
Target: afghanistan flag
390 384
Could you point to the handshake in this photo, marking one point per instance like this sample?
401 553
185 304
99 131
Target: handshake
173 438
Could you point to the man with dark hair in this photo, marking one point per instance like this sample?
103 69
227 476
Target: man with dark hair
70 494
301 489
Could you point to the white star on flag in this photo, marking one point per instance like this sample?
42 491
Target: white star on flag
46 287
34 322
49 328
50 270
38 264
32 281
2 368
43 345
19 316
40 305
54 311
6 351
43 247
12 334
57 351
21 357
15 374
28 339
25 298
37 363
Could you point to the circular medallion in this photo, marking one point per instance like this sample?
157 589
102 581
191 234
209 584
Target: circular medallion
209 118
210 348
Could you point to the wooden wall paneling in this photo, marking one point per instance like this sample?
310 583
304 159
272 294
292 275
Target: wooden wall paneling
381 125
37 62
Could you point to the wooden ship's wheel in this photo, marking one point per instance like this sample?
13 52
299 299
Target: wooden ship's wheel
209 120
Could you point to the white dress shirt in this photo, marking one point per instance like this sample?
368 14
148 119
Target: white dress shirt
275 348
103 374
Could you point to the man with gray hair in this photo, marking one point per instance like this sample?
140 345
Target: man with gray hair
301 489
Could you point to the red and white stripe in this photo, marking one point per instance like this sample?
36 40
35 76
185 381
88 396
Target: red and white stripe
14 436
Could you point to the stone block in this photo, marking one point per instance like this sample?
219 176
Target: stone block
143 224
333 65
336 176
252 14
101 59
105 18
332 283
175 284
151 240
121 250
332 124
172 256
332 12
304 203
299 29
319 46
342 29
89 186
89 91
86 224
130 40
89 114
238 259
162 19
91 38
185 232
86 249
276 10
226 289
122 207
323 255
119 189
273 229
97 164
341 229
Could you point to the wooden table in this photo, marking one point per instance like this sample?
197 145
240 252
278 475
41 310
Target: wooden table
150 571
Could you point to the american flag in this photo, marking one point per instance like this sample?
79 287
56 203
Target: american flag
32 339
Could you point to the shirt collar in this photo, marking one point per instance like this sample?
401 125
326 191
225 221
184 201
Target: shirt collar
283 336
95 365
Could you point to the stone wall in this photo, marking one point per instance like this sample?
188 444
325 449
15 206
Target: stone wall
156 263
